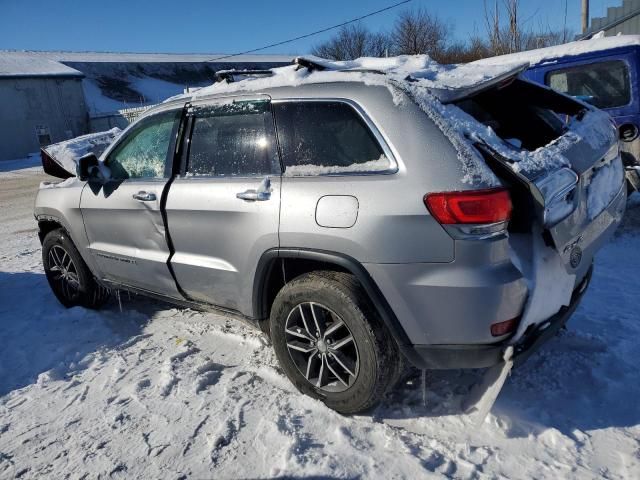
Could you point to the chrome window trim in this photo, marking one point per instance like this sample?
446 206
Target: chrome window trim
380 138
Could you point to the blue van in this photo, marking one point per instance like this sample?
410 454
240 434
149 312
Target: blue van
601 71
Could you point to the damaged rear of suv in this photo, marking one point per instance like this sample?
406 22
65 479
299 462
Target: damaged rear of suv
359 212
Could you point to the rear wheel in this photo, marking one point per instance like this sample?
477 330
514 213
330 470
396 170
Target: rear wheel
69 277
331 343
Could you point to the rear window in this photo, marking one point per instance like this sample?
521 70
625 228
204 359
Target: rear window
523 114
324 138
603 84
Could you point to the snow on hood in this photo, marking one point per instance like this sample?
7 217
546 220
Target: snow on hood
67 153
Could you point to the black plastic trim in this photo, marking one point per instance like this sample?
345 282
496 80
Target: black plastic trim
444 357
269 260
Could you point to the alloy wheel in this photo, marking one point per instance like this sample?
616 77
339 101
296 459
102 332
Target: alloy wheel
322 347
64 272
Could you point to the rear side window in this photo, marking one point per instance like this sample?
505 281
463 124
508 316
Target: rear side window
326 138
235 139
604 84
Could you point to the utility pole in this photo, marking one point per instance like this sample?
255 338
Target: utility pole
585 16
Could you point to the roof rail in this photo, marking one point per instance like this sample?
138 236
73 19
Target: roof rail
228 75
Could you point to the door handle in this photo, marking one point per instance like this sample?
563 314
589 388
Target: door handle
144 196
260 195
254 195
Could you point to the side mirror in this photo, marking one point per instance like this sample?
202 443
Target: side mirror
86 165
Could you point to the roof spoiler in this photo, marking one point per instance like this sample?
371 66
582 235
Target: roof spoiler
450 95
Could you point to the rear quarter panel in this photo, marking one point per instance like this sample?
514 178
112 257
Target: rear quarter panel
393 224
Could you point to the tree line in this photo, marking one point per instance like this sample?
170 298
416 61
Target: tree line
418 31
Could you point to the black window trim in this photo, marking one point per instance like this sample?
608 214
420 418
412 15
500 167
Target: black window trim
595 61
192 114
168 161
380 138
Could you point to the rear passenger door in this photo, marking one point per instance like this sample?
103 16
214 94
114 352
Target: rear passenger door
223 209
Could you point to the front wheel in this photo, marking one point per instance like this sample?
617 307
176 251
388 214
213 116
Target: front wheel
69 277
331 343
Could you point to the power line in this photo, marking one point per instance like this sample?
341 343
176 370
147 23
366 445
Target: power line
313 33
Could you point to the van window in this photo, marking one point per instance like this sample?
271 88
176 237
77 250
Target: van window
326 138
143 153
234 139
604 84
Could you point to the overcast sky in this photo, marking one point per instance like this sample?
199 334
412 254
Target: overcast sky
232 26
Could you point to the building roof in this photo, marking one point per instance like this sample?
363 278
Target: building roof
116 57
18 64
535 57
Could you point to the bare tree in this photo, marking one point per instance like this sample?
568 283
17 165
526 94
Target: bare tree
513 36
353 41
419 32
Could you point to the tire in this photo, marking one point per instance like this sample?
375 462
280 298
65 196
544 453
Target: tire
73 284
342 311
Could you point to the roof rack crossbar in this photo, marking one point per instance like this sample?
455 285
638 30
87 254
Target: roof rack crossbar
310 65
228 75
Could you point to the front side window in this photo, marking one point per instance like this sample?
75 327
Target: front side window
326 137
143 153
234 139
604 84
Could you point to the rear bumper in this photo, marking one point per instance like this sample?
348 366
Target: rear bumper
443 357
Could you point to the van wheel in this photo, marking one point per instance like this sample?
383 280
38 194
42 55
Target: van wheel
69 277
331 343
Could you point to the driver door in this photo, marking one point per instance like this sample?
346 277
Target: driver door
122 215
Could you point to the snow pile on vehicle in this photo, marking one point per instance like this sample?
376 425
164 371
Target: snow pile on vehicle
605 185
67 153
433 87
550 54
379 165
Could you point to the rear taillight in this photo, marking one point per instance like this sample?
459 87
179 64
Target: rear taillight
502 328
470 207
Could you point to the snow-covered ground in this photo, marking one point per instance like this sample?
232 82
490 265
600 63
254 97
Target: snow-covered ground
160 392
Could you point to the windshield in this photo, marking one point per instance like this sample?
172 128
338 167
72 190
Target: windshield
603 84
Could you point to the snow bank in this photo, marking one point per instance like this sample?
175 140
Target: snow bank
68 153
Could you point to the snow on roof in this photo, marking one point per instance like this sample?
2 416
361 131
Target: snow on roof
570 49
446 82
17 64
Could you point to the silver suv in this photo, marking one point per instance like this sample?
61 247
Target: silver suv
359 216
